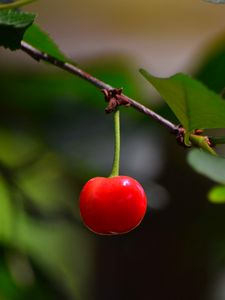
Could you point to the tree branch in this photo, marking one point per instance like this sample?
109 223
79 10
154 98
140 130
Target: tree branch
39 55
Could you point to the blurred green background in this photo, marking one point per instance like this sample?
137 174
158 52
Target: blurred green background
54 136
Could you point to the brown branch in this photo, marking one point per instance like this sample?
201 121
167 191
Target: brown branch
121 98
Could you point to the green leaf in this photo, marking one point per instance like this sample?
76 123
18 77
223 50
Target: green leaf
13 25
194 105
41 40
16 19
15 4
217 194
208 165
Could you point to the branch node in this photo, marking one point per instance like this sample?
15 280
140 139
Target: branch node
115 98
180 136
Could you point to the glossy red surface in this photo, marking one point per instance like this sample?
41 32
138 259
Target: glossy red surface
112 205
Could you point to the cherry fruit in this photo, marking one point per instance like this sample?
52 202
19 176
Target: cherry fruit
113 205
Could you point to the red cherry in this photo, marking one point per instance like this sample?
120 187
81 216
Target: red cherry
112 205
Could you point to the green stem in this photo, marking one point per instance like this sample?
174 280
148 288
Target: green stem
116 160
202 142
15 4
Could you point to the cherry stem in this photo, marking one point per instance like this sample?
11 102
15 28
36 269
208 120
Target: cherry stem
116 160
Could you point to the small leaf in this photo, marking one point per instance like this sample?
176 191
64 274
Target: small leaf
41 40
211 166
16 19
194 105
217 194
13 24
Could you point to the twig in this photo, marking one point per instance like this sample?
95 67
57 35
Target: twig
39 55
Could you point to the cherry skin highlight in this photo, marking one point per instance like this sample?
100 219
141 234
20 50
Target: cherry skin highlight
113 205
